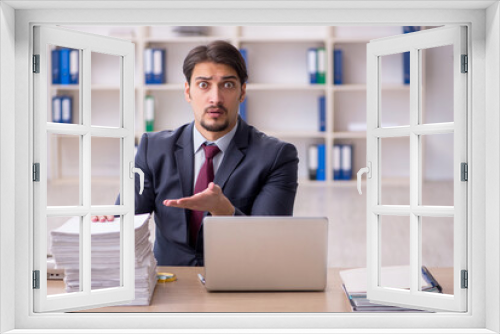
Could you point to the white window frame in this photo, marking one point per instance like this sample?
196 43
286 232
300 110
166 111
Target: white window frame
44 37
483 102
414 43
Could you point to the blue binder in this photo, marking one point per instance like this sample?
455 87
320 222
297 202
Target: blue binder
312 65
406 55
245 56
337 67
148 65
158 66
66 109
64 66
56 75
74 66
321 175
322 113
56 109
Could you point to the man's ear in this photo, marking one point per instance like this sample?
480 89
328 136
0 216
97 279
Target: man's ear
243 92
187 93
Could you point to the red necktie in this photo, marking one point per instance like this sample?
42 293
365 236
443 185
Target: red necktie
205 176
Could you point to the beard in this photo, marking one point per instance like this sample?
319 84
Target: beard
215 127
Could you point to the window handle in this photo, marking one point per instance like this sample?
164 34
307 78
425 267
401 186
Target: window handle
368 171
141 175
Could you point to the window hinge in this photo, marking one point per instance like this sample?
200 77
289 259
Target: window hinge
36 279
465 279
465 64
36 63
36 172
464 171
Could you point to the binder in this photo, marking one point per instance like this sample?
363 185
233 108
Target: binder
321 75
56 109
74 67
337 67
312 161
244 55
321 175
64 66
243 109
56 74
312 65
406 55
66 109
336 162
322 113
149 112
158 66
148 65
346 162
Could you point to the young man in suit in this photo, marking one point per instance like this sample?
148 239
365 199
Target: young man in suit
187 177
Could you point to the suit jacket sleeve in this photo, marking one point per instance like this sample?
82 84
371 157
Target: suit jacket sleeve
277 194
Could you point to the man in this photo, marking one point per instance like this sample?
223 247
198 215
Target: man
253 174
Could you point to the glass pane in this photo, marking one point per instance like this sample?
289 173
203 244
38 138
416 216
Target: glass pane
105 170
437 182
106 254
395 171
64 88
63 254
437 84
106 85
437 252
394 95
63 170
395 251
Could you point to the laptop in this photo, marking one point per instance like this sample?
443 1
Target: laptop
265 253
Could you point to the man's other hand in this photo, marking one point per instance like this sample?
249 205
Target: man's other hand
102 219
211 199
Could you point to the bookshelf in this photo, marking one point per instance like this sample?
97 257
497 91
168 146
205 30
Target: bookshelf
281 102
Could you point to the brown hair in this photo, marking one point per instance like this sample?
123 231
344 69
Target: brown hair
219 52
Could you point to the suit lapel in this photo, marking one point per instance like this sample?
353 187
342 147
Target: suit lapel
235 153
184 159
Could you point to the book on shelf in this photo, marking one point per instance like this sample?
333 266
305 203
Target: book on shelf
337 66
342 161
105 256
321 171
336 162
321 76
244 54
65 66
312 65
154 66
312 161
406 55
322 113
354 284
62 109
149 112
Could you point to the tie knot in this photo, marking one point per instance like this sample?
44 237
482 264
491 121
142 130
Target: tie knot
210 151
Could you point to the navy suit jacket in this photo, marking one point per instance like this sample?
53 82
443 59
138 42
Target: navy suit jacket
258 175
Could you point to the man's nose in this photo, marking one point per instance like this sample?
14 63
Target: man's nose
216 95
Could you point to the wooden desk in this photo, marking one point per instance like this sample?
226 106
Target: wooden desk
187 294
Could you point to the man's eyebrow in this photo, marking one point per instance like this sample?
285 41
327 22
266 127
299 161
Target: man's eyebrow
227 77
203 78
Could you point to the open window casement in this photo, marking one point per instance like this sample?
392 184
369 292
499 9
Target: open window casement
64 126
419 134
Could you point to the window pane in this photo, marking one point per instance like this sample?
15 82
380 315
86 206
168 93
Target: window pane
63 258
64 88
395 171
437 249
437 84
395 251
63 170
394 95
106 86
106 167
437 181
106 254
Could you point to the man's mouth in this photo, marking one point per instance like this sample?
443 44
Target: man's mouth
215 111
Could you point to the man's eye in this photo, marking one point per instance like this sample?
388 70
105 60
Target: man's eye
203 84
228 85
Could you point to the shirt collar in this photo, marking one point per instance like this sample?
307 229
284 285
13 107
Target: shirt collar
223 142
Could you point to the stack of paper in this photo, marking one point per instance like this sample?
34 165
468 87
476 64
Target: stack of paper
105 256
355 286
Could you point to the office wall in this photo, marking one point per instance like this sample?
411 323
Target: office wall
7 119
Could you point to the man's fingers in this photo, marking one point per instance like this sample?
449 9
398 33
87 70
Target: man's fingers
110 218
102 219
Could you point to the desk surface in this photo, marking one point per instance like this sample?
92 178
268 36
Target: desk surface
187 294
